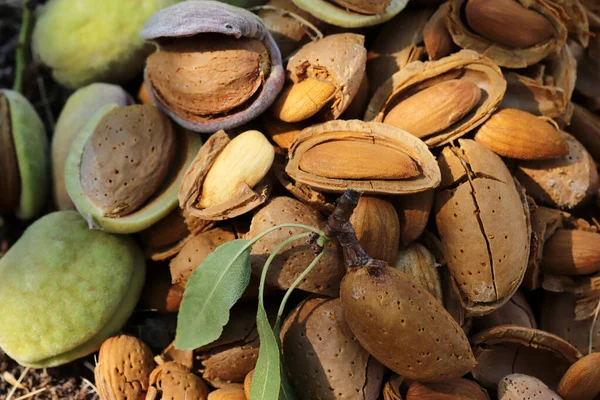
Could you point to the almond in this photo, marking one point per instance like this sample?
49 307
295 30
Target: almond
436 37
447 103
175 382
456 389
572 252
418 262
377 228
302 100
123 368
519 387
248 384
127 158
508 23
517 134
413 212
357 160
227 394
582 379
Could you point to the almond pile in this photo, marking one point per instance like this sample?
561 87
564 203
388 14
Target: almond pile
469 268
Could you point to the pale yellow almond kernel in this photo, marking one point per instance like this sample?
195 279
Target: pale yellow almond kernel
244 161
302 100
436 108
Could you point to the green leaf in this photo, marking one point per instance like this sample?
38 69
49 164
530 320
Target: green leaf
287 391
214 287
267 373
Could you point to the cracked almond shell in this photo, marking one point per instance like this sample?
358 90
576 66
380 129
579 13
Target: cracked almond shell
363 163
467 67
123 164
23 157
484 225
508 349
245 198
323 356
516 311
500 54
196 20
342 16
294 258
563 182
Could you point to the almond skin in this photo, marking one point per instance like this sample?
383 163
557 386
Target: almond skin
582 379
299 101
457 389
436 37
357 160
447 103
403 326
517 134
508 23
572 252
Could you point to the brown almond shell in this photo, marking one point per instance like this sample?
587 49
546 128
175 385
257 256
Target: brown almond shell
509 349
417 76
503 56
516 311
365 132
246 199
533 96
338 59
323 356
191 18
174 382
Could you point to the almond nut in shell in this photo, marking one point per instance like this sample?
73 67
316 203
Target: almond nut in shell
323 356
123 368
513 33
288 265
518 134
520 386
418 262
413 212
228 176
370 157
563 182
463 90
173 381
219 71
483 221
323 76
118 174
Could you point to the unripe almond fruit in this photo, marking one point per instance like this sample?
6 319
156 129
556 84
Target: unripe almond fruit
508 23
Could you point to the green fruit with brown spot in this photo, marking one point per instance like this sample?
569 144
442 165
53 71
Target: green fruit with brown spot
403 326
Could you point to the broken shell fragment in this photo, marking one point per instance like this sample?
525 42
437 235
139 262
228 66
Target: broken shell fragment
323 76
483 221
464 90
370 157
219 71
125 166
344 12
228 177
513 33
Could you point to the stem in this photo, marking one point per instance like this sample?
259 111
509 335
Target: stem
288 293
21 52
276 250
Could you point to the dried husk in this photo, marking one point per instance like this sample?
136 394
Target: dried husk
564 182
288 31
344 17
575 18
392 139
413 212
175 382
127 158
418 262
244 200
544 222
337 59
503 56
515 312
377 228
392 388
229 359
521 386
560 315
214 18
400 42
323 356
585 127
483 220
417 76
509 349
293 259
